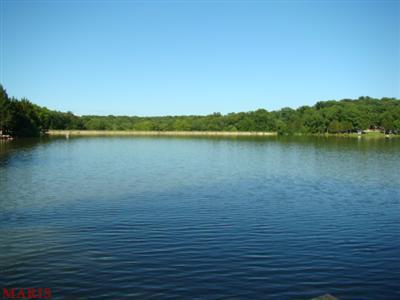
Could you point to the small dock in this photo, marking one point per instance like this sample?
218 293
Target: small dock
5 137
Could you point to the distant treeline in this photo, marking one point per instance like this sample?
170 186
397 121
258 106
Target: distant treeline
23 118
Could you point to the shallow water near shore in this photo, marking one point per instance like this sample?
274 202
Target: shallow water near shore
180 217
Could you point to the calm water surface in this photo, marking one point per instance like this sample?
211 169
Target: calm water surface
205 218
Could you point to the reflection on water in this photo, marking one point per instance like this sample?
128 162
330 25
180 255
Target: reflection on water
275 217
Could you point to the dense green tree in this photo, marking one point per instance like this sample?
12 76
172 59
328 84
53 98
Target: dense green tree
347 126
387 121
396 125
5 110
281 127
23 118
335 126
314 122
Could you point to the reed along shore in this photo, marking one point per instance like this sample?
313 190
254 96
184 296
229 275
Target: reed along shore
156 133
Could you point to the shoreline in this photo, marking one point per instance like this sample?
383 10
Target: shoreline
89 133
359 136
156 133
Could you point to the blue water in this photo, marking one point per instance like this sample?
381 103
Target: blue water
203 218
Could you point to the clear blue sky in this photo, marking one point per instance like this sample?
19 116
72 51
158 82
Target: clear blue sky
197 57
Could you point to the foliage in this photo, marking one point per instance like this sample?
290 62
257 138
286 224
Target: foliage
23 118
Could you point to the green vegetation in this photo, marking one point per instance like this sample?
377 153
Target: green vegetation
23 118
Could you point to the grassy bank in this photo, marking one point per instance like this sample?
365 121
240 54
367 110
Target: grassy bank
155 133
372 135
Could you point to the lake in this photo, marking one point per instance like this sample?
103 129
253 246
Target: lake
205 218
